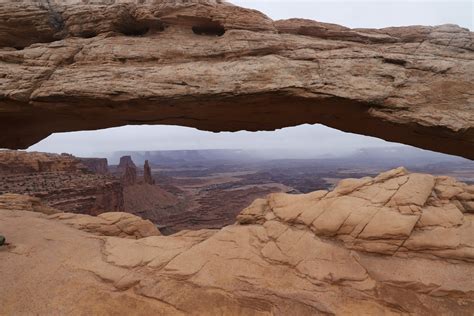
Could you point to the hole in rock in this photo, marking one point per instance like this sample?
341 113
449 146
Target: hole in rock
395 61
209 28
182 178
88 34
135 30
140 28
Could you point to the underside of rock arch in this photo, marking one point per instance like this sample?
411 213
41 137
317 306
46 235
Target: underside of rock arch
67 66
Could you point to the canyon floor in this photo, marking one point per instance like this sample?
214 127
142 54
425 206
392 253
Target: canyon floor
197 189
208 189
394 244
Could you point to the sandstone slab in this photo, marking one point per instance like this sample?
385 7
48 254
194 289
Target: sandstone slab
263 265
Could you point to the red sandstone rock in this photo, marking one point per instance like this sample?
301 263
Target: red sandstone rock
95 165
147 178
129 176
127 170
61 181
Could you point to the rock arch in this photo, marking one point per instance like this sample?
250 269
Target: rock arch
412 85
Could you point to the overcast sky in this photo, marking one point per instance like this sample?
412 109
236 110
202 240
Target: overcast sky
322 140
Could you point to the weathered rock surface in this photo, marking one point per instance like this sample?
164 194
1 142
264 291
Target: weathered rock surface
129 176
96 165
395 213
108 224
126 161
370 247
117 224
147 178
19 162
61 181
11 201
68 66
127 171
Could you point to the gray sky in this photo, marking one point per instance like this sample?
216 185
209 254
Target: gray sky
373 14
295 139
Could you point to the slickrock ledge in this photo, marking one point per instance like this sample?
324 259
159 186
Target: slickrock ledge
67 66
395 213
372 246
117 224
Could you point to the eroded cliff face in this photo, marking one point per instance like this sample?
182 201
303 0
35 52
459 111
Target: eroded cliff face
96 165
69 66
18 162
62 181
399 243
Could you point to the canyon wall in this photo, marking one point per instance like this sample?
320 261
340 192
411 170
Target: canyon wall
18 162
61 181
66 66
95 165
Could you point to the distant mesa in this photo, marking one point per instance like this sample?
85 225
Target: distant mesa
126 161
96 165
129 172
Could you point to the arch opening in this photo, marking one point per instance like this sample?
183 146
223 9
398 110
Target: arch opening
254 112
183 178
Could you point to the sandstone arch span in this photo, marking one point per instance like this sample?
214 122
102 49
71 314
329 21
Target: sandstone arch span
66 66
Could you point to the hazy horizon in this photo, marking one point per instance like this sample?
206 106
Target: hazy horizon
303 140
307 139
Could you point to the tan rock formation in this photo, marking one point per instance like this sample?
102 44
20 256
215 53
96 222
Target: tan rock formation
14 162
147 178
65 65
20 202
370 247
110 224
395 213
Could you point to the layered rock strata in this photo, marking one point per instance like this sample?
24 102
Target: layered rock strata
61 181
395 244
66 65
117 224
11 201
127 171
21 162
96 165
129 176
